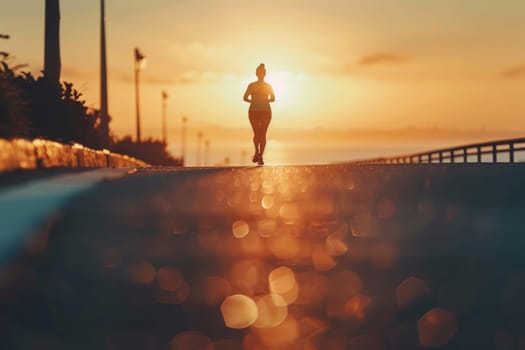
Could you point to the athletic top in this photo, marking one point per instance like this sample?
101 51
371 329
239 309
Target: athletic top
260 92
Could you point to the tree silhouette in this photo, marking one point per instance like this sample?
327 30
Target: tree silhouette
52 63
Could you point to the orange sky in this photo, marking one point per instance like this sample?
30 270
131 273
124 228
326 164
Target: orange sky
335 63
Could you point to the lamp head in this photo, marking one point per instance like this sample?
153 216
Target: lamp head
140 59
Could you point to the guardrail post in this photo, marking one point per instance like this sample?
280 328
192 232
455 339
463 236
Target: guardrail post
465 155
452 156
440 157
479 154
430 157
494 154
420 158
511 153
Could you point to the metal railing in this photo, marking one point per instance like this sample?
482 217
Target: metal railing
471 153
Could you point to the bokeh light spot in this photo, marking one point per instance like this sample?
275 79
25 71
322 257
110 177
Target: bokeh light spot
191 341
289 212
272 311
267 202
141 272
239 311
240 229
282 280
357 306
336 244
436 328
321 260
284 334
266 228
169 278
410 292
284 246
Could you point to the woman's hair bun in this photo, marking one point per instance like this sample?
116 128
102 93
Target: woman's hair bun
261 69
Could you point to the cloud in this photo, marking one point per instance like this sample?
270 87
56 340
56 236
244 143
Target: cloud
382 59
198 56
183 78
70 72
515 72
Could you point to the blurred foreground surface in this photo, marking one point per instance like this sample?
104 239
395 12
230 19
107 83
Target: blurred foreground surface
328 257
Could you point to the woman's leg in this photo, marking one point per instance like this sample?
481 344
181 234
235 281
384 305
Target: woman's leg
254 124
262 129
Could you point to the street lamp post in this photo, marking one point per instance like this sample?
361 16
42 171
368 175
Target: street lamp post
206 152
164 109
199 148
104 114
183 140
139 63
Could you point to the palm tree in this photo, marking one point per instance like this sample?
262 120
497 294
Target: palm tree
52 42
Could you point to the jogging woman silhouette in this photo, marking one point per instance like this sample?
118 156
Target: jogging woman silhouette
259 94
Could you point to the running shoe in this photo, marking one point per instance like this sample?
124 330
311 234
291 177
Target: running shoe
256 157
261 161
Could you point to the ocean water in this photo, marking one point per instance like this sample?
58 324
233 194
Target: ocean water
284 152
296 153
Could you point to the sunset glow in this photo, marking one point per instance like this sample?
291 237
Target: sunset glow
337 65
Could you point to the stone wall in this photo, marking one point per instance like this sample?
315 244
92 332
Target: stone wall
39 153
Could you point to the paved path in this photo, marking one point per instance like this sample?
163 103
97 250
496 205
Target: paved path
321 257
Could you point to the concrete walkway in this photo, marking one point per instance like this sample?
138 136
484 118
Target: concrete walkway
312 257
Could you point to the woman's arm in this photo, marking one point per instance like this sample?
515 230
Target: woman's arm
247 94
272 95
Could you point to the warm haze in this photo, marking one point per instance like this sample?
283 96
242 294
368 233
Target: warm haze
336 64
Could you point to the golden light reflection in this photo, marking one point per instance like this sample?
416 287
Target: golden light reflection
357 306
280 336
290 213
239 311
214 290
362 225
169 278
324 206
220 195
411 291
336 244
436 328
350 185
348 285
272 311
141 272
284 246
267 187
267 202
266 228
313 288
282 280
247 276
191 341
178 297
321 260
240 229
254 186
253 245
